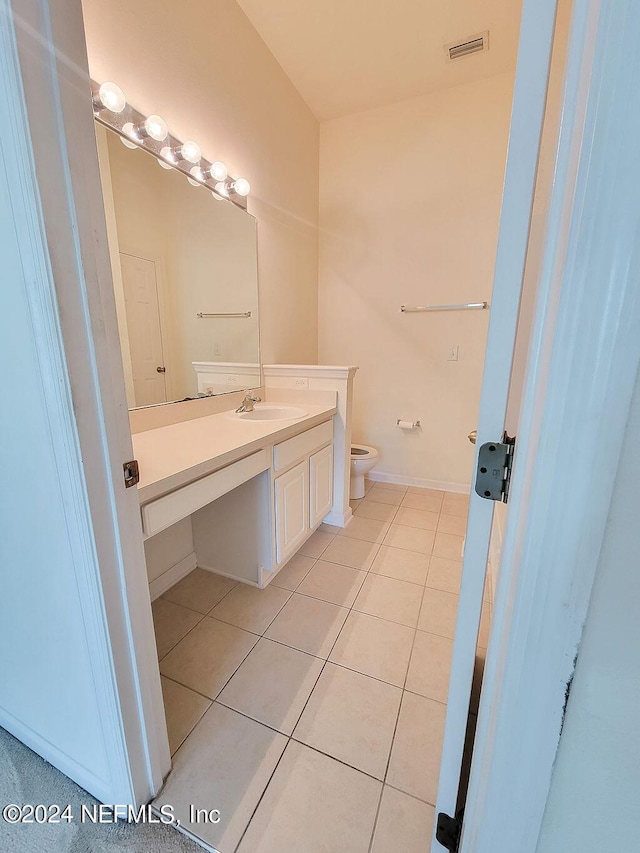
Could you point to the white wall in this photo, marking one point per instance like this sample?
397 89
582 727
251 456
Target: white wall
594 802
204 68
409 210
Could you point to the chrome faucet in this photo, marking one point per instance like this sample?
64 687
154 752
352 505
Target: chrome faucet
247 403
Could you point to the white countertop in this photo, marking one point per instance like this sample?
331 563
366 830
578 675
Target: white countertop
172 456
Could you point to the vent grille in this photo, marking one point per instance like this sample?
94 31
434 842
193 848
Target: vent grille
474 44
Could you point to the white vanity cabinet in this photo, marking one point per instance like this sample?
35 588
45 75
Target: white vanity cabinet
250 515
304 493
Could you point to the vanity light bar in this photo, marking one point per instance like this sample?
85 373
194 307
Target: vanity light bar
151 133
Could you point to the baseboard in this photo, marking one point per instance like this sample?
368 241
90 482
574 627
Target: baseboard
215 571
339 519
79 774
401 480
172 576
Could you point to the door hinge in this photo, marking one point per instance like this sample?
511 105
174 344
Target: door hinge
449 830
493 475
131 473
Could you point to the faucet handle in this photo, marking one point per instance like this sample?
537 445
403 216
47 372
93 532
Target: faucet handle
255 399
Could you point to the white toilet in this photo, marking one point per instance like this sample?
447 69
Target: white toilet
363 458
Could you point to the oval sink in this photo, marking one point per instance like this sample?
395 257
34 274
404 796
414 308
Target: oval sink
267 412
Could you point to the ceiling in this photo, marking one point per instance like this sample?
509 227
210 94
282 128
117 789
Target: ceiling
344 56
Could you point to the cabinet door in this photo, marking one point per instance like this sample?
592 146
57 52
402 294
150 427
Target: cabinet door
321 484
292 510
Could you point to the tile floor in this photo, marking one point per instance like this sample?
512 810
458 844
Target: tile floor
311 713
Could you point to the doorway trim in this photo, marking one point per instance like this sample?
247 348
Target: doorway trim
74 305
583 362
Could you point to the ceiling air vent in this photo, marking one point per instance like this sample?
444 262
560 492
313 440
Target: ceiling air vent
474 44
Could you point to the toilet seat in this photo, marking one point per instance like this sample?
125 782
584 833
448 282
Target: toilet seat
361 451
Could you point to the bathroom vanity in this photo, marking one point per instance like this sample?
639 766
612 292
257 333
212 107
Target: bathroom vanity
254 485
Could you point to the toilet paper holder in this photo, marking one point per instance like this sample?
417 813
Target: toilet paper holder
408 424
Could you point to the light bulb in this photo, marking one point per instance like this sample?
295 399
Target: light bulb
128 143
164 165
217 171
190 151
155 127
198 174
110 97
216 196
222 189
168 154
241 186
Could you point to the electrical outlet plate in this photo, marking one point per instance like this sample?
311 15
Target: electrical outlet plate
453 353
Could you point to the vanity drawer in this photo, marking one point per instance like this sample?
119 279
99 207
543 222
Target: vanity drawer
165 511
295 448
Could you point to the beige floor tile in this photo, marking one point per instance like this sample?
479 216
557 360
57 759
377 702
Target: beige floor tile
374 647
211 772
421 490
485 626
351 717
410 538
404 824
367 529
445 574
417 518
397 601
314 804
454 504
183 708
372 509
333 529
272 685
417 747
208 656
382 495
394 487
427 501
308 624
403 565
430 666
355 553
368 485
200 590
291 576
456 524
332 582
438 613
316 544
171 623
251 608
449 546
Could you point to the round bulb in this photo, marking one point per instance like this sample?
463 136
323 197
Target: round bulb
156 127
216 196
194 183
164 165
197 173
129 128
190 151
242 186
127 143
168 154
218 171
112 97
222 189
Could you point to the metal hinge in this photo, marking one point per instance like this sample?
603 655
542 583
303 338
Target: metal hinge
131 473
494 469
449 830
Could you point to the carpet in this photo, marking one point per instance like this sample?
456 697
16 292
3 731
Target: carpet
27 778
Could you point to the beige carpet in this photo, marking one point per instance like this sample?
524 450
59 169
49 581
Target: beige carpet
27 778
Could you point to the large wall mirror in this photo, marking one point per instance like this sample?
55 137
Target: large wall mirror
185 279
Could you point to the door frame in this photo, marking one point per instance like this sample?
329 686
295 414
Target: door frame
74 309
526 640
583 362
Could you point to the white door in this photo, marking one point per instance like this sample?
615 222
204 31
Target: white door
524 145
292 510
140 284
321 484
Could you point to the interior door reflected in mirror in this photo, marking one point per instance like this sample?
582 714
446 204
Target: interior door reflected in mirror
185 279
